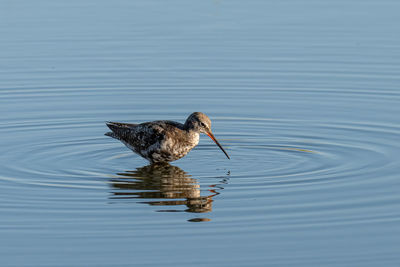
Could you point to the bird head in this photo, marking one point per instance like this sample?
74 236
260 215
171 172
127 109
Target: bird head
201 123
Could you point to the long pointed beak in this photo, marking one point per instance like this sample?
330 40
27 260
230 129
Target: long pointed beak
218 144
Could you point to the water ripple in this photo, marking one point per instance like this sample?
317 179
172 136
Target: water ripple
281 157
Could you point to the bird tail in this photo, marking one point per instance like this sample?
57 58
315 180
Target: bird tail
118 129
111 134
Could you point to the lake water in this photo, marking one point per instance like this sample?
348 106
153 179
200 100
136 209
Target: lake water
303 95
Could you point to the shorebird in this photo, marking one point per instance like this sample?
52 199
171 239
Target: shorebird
163 141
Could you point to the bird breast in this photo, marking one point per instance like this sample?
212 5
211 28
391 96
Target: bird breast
180 146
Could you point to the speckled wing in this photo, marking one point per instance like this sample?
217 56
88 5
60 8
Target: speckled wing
146 138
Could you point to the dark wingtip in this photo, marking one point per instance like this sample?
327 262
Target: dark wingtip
111 125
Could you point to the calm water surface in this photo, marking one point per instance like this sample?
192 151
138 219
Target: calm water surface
303 95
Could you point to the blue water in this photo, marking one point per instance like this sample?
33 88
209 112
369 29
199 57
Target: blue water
303 95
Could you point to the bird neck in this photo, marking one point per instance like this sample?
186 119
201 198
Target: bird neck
192 132
189 126
194 137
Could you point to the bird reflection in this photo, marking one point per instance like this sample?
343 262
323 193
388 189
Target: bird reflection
164 185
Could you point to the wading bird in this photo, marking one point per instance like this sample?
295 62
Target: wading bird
163 141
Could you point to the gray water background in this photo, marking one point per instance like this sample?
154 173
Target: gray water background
303 95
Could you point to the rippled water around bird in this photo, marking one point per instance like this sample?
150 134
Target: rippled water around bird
303 95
